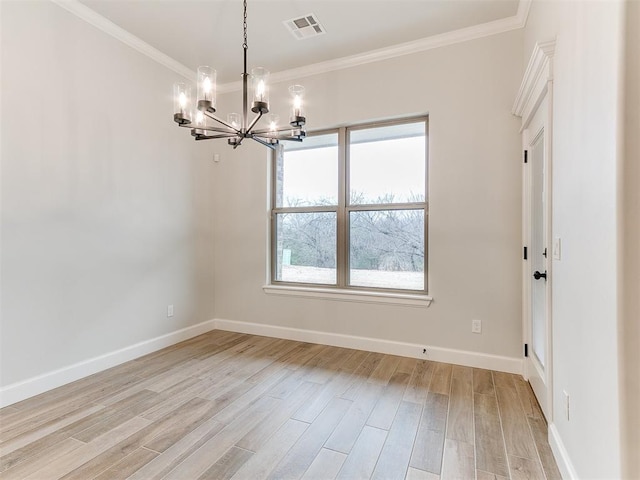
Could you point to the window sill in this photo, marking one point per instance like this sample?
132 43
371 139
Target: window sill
360 296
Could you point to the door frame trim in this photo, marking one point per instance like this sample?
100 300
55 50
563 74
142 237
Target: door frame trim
536 88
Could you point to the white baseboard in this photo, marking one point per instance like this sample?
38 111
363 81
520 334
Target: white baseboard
561 455
18 391
438 354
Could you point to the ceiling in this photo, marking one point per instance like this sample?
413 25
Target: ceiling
209 32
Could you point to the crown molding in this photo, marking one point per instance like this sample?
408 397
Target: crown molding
535 81
107 26
428 43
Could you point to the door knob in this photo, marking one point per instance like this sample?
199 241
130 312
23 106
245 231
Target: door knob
537 275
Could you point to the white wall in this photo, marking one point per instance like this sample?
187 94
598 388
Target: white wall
586 153
629 261
106 205
475 197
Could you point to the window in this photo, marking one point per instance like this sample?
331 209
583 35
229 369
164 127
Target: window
349 208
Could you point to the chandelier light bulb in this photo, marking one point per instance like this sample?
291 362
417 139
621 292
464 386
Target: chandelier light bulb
297 115
206 89
259 79
200 122
233 119
181 103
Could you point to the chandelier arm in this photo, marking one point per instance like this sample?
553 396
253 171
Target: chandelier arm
264 131
253 123
213 137
290 139
219 120
209 129
264 142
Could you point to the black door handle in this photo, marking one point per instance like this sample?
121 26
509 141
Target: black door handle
537 275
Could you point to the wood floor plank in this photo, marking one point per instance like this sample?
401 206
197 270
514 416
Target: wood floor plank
385 410
302 454
490 450
261 432
429 443
361 374
348 430
459 460
29 437
540 436
527 399
325 466
483 381
460 420
441 379
524 469
135 405
159 434
178 452
228 465
481 475
362 460
209 453
418 387
241 402
45 457
268 456
128 465
518 439
84 454
396 453
385 370
417 474
310 411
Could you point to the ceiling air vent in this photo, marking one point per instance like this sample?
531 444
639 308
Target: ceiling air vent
304 27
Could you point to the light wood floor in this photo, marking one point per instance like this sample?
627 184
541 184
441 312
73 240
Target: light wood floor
226 405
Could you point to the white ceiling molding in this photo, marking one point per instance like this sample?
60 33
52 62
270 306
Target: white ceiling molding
436 41
107 26
535 82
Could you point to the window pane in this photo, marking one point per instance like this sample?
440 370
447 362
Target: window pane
387 164
307 173
306 247
387 249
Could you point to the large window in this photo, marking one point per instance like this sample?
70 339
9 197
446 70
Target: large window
349 208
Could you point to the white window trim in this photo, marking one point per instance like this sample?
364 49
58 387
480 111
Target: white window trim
355 293
350 295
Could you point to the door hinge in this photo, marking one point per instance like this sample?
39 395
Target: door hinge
526 155
525 253
526 349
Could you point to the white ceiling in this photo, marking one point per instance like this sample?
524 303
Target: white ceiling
209 32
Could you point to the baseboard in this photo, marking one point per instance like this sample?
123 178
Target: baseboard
438 354
561 455
18 391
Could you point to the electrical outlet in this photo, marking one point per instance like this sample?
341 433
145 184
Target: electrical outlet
476 326
216 157
170 311
566 404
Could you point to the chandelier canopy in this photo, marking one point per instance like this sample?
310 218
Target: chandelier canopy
237 126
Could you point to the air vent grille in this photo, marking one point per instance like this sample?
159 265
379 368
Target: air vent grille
303 27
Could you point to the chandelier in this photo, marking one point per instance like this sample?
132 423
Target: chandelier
237 127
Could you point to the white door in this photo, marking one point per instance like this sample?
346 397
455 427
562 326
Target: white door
537 269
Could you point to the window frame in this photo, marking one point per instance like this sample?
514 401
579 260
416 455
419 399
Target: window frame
343 210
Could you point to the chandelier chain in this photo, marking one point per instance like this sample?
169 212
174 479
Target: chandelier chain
244 26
